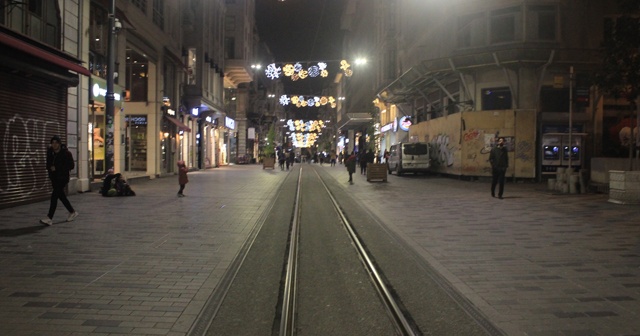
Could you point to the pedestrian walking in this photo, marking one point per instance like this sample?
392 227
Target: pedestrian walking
59 164
499 160
333 158
182 177
350 163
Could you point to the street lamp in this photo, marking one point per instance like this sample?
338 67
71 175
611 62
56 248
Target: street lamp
109 97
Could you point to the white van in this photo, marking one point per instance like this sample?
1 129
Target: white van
410 157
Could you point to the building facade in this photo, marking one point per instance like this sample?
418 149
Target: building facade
42 82
440 64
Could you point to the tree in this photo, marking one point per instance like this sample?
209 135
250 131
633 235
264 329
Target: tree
269 146
619 75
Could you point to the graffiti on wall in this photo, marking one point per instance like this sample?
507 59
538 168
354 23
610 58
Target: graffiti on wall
442 150
24 142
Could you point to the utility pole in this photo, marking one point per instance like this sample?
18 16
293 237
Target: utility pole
109 98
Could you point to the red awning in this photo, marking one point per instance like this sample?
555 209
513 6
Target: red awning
179 123
42 54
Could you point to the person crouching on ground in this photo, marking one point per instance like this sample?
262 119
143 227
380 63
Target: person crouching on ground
59 164
182 177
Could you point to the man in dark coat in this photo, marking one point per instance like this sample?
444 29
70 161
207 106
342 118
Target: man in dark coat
499 160
59 164
350 163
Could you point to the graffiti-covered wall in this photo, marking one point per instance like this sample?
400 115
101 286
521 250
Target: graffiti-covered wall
461 142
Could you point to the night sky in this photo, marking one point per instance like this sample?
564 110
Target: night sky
300 31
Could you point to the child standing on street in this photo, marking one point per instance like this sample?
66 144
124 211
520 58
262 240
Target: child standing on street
182 177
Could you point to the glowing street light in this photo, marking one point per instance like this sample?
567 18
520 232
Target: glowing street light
361 61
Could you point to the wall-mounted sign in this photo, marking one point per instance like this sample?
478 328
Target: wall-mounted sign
195 111
171 112
386 128
229 123
404 123
209 119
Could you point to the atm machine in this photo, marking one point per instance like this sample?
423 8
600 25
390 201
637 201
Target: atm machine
556 149
551 150
573 148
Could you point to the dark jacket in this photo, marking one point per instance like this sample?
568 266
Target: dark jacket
351 163
499 158
63 161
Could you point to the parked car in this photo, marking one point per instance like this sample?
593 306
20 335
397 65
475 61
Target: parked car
409 157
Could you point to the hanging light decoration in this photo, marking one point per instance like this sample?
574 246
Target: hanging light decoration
302 101
297 71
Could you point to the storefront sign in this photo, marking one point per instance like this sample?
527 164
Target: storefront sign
386 128
99 90
404 123
229 123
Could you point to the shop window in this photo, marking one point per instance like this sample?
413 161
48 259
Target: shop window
137 76
504 25
471 30
542 23
496 99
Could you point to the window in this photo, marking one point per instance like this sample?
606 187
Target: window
98 30
39 20
496 99
192 66
142 4
542 23
230 23
229 47
137 74
504 25
554 100
471 30
158 13
416 149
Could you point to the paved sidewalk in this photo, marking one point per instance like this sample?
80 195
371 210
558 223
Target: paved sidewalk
535 263
128 265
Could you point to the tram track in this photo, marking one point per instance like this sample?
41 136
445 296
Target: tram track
322 265
401 323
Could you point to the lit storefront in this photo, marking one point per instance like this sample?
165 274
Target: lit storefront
96 125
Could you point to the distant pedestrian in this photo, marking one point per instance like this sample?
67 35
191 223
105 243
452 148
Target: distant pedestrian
182 177
499 160
364 160
333 158
59 164
350 163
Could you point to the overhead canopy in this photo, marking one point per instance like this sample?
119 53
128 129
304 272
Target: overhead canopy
436 73
51 55
179 123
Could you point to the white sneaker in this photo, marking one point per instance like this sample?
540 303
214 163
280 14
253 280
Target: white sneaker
72 216
46 221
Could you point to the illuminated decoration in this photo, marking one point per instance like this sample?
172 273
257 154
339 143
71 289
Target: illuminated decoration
305 126
302 101
303 140
297 71
303 133
344 66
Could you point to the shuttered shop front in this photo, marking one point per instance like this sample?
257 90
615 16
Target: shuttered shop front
32 110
